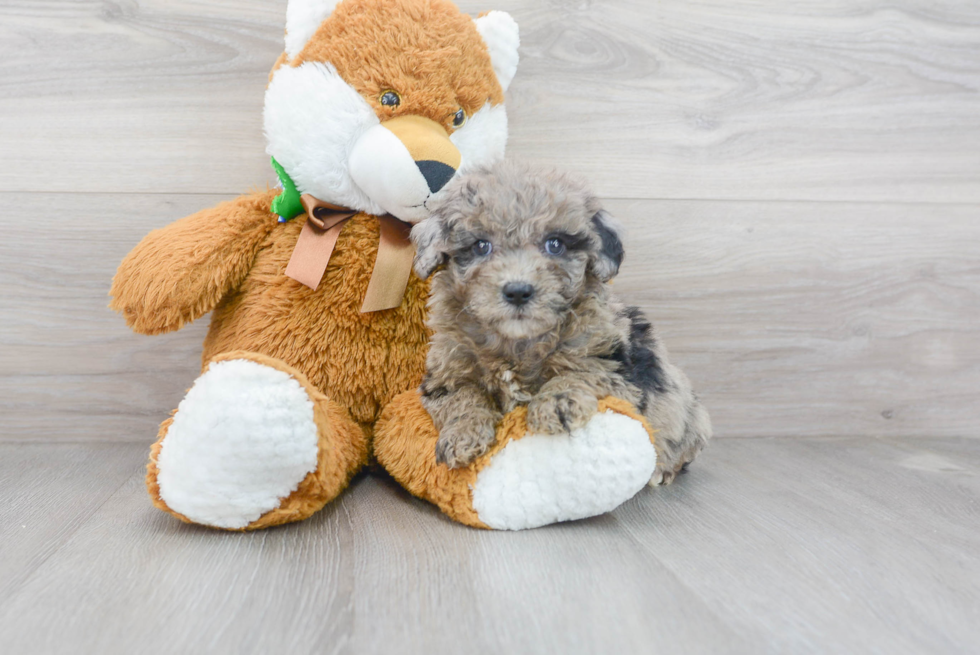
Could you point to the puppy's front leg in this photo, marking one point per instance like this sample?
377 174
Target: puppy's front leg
467 424
563 404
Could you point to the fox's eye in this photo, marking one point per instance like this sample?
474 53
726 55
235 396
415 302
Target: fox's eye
482 248
459 118
390 99
554 246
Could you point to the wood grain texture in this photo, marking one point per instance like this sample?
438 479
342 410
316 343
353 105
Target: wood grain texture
815 318
840 100
47 492
829 545
69 366
791 318
573 588
783 545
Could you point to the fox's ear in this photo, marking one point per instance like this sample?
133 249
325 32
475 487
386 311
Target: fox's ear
303 18
502 36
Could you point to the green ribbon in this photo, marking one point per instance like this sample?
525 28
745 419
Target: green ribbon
287 204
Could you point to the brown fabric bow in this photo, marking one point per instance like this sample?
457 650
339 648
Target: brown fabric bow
318 238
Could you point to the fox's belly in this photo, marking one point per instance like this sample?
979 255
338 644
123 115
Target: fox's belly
359 360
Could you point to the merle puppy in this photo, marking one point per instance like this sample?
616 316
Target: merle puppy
522 314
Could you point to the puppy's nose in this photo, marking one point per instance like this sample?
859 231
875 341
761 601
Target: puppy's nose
436 173
518 293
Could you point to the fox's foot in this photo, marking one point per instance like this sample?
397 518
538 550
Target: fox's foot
252 444
524 480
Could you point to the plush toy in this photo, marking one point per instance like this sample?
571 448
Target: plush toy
318 322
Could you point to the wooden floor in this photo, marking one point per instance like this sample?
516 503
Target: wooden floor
801 182
768 545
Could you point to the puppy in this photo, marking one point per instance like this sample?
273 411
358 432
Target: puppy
522 314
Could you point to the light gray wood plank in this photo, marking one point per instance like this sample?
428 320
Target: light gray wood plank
574 588
835 545
137 580
116 91
838 100
815 319
768 545
843 100
370 574
791 318
47 491
72 367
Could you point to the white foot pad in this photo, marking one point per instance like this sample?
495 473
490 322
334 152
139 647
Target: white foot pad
544 479
242 440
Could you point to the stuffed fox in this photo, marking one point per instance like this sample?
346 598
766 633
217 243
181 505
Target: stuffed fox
317 321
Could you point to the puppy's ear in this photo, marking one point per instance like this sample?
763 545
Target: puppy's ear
606 260
429 237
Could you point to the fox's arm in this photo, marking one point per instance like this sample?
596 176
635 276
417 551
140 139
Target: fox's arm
180 272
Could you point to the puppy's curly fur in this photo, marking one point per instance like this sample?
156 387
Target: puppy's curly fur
522 314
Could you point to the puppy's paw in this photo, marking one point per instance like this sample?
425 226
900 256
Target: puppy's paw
561 412
662 476
460 444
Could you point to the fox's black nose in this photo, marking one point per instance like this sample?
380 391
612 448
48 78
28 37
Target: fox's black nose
436 173
518 293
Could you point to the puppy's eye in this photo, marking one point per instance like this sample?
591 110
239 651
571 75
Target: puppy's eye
554 246
459 119
390 99
482 248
